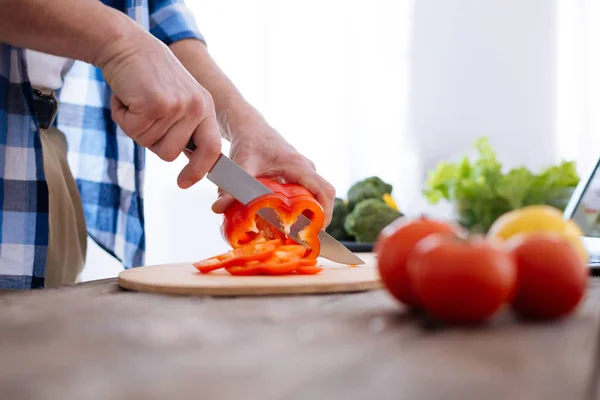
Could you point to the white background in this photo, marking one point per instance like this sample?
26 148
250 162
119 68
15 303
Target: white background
389 88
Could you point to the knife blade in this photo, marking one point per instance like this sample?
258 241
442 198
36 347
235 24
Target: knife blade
233 179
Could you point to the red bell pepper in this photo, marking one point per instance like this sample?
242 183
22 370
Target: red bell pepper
264 258
241 224
308 270
240 255
282 263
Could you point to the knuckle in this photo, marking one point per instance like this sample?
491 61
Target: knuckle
207 99
151 137
330 190
297 159
169 154
213 146
160 106
201 102
197 171
142 142
163 105
178 104
196 103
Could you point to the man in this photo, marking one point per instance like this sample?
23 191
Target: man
128 75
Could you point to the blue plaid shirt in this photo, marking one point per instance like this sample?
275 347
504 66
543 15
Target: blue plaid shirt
108 166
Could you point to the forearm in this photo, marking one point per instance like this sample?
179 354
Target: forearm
76 29
230 105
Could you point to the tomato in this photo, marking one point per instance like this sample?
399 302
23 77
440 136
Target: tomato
249 252
552 278
393 247
462 281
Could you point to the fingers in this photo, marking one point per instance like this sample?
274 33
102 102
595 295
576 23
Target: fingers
117 109
204 157
291 168
167 125
224 201
170 146
323 190
132 124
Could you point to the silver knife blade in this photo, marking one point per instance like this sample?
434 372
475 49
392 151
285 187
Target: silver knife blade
230 177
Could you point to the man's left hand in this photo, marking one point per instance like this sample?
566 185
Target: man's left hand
264 153
255 145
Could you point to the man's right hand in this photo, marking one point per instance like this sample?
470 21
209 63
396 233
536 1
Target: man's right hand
160 105
156 101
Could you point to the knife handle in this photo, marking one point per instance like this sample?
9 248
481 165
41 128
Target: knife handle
191 146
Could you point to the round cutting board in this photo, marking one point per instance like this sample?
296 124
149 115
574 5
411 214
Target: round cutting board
186 280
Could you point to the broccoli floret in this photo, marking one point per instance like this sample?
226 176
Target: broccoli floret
369 188
368 218
336 227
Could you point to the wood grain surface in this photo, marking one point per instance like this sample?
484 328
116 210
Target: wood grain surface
96 341
185 279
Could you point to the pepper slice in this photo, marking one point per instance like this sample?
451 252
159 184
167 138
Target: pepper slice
308 270
308 262
241 224
295 249
282 263
248 253
308 267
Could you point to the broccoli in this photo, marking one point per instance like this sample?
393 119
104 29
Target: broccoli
336 227
369 188
368 218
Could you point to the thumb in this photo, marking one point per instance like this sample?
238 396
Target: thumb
222 203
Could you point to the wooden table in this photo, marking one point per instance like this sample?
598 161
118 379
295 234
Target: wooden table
95 341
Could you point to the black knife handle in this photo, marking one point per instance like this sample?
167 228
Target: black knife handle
191 146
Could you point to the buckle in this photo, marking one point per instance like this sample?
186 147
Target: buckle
46 107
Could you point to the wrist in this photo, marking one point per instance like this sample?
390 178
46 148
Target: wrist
122 37
236 115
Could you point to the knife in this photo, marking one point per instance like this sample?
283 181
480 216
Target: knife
231 178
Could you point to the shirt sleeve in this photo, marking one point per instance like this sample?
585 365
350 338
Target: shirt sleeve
171 20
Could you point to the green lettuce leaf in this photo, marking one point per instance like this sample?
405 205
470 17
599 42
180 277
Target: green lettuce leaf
481 191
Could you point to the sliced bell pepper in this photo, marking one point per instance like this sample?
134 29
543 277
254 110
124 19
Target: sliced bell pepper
308 267
241 224
308 262
308 270
282 263
295 249
247 253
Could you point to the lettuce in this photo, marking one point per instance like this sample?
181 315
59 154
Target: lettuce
481 191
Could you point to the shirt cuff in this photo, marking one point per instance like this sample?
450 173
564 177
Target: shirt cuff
174 22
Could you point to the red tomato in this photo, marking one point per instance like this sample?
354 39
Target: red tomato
393 247
552 278
461 281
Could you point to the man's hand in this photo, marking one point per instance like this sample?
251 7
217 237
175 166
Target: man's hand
157 102
263 153
161 106
255 146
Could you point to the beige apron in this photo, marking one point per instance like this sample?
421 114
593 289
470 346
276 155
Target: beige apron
68 234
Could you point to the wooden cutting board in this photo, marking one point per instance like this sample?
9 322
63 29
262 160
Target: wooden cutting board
184 279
